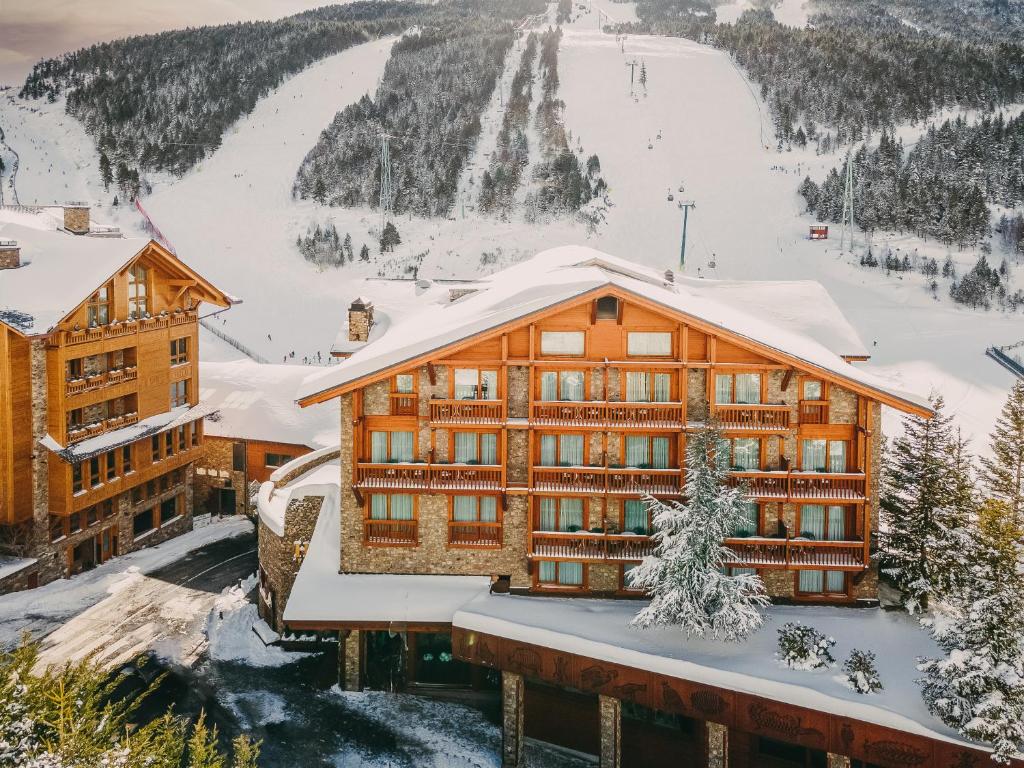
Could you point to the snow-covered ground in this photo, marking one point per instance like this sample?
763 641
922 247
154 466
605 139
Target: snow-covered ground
792 13
38 611
234 220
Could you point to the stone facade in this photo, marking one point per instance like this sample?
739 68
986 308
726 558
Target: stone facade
513 696
518 389
610 715
360 320
278 558
696 395
10 257
718 745
76 219
216 471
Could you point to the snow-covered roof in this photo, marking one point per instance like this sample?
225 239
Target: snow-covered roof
59 270
256 401
10 565
322 595
599 629
794 318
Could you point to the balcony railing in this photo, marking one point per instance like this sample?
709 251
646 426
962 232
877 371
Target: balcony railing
100 380
404 404
797 554
808 487
77 434
128 327
583 545
467 411
759 418
814 411
598 413
627 480
474 535
391 532
427 477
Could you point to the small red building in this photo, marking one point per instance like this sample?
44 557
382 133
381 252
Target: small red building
819 232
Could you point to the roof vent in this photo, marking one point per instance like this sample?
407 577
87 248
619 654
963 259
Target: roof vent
670 276
360 320
76 218
10 254
454 294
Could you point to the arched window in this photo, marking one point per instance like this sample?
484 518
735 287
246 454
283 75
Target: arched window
607 308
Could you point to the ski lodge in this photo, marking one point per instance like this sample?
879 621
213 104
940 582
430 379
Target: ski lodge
475 526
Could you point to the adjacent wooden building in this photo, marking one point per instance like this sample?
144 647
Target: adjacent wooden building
100 421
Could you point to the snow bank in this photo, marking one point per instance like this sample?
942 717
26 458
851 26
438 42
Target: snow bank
322 480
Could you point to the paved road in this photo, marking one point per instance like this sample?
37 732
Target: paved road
164 611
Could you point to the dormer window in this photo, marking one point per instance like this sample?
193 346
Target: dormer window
98 308
607 308
138 291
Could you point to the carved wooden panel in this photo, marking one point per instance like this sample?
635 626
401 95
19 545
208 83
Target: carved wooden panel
624 683
878 745
700 702
955 756
783 722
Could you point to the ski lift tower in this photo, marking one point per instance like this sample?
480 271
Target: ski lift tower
686 205
386 187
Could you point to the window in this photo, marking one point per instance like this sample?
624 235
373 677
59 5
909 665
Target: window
563 385
475 384
179 393
179 351
168 443
823 523
91 517
738 388
106 508
277 459
126 459
94 471
404 383
396 506
562 343
138 291
98 308
238 457
559 514
111 459
649 344
750 525
57 527
142 522
559 574
75 419
391 446
182 442
626 577
822 582
76 478
155 445
813 390
75 522
74 369
607 308
648 452
648 387
636 518
820 455
197 433
168 510
745 454
561 451
474 509
476 448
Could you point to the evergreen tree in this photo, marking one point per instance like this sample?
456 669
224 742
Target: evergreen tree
364 253
1003 472
346 247
643 74
978 687
685 576
923 507
389 238
106 174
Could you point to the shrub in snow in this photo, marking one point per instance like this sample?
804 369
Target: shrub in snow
686 576
803 647
861 673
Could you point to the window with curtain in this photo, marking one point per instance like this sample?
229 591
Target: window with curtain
836 455
138 291
560 574
401 446
813 389
404 383
378 447
742 571
649 344
746 453
561 450
560 514
820 455
644 451
562 343
635 517
738 388
648 387
822 582
751 514
479 447
823 523
465 447
475 384
472 509
568 386
99 306
391 446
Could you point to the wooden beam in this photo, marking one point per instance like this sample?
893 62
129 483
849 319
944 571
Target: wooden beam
786 379
431 374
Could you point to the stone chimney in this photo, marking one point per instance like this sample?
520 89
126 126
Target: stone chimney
76 218
360 320
454 294
10 254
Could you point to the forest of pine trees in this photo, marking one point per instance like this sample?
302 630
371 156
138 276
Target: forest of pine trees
325 248
512 154
566 184
434 88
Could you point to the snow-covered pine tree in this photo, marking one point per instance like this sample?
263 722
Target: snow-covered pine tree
685 576
923 505
1003 472
861 672
978 687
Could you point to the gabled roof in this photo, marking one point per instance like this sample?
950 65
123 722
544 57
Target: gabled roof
780 320
60 271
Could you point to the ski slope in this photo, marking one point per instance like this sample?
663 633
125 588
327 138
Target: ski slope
233 217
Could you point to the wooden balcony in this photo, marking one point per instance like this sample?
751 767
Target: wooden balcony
467 411
755 418
76 435
583 545
798 554
391 533
428 477
127 328
625 481
814 411
474 535
404 404
601 413
100 380
803 487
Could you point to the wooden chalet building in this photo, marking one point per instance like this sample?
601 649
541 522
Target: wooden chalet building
100 421
501 440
